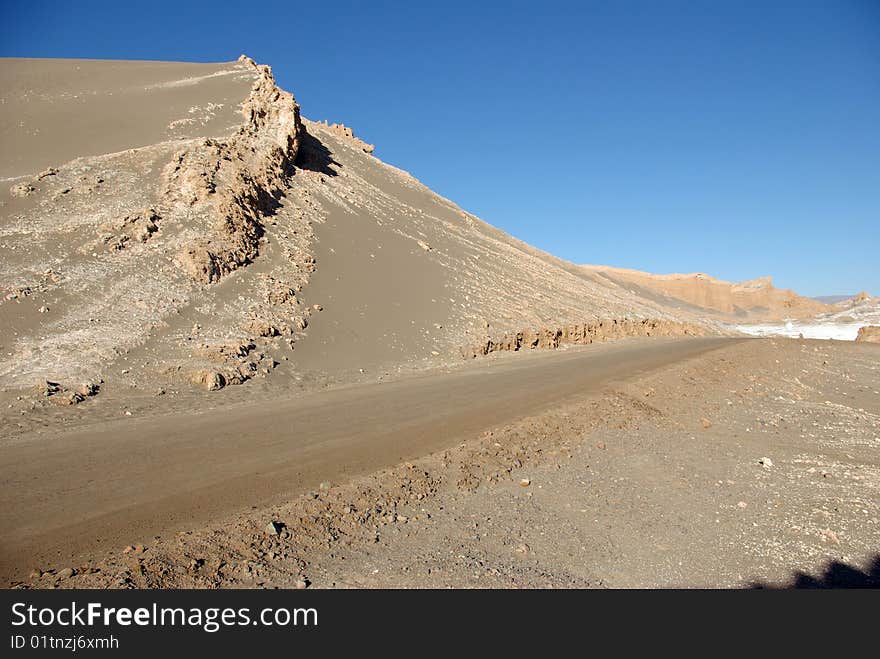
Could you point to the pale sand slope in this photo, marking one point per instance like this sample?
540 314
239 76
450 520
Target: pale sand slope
180 263
54 111
747 301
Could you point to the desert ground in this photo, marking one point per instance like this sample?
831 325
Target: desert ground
239 350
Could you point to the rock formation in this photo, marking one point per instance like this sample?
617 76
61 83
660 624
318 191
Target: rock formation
869 334
755 299
237 182
348 134
550 339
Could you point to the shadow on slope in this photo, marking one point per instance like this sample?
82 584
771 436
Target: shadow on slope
314 156
835 575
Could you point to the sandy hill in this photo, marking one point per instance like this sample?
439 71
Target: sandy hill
752 300
169 225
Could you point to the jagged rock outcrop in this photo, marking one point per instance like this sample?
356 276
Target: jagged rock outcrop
551 338
238 181
347 133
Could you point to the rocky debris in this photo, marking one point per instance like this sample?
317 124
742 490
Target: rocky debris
235 183
51 171
266 329
87 185
89 389
17 293
868 334
705 423
347 133
22 190
278 293
207 379
550 339
48 280
49 388
74 398
279 313
136 227
64 395
236 363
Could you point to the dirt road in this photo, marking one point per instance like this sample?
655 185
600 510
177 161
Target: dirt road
99 488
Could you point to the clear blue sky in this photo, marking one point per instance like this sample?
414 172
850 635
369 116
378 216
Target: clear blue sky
736 138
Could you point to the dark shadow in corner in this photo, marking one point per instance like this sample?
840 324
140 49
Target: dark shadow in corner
835 575
314 156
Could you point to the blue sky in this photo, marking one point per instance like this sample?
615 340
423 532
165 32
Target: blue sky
737 138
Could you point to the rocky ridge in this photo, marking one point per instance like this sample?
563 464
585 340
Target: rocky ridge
236 182
752 300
